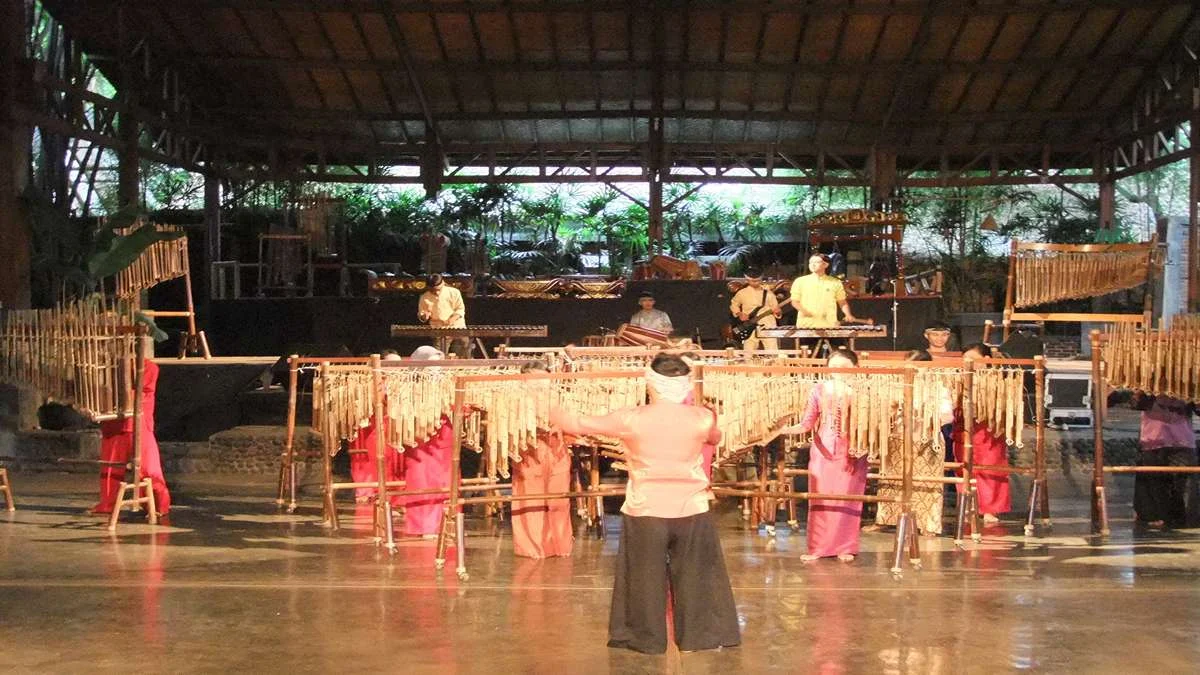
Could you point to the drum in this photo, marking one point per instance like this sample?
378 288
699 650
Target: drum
640 337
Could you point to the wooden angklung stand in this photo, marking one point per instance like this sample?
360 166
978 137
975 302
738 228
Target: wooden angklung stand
1159 362
163 261
88 354
1044 273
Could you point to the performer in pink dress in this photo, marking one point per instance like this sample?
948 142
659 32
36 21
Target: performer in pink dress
668 535
833 526
427 466
116 445
988 449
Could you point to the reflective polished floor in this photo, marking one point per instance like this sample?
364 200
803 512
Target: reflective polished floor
233 586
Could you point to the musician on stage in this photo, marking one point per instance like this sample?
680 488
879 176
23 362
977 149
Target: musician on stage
817 297
755 299
648 317
442 306
938 336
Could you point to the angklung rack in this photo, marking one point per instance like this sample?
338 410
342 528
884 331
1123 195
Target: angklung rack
1160 362
1042 273
163 261
87 354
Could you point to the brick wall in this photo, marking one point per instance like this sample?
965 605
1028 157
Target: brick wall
1062 346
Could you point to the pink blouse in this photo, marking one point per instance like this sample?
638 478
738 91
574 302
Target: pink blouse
664 447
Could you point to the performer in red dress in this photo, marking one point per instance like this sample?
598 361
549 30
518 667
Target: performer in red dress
987 449
116 444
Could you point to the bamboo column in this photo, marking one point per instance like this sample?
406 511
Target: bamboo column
287 469
1099 393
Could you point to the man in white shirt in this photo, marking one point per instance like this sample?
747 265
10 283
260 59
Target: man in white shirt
648 317
751 299
442 306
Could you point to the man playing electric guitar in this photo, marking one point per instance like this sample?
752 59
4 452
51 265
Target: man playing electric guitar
754 306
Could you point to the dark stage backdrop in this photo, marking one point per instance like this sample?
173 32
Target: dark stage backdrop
277 326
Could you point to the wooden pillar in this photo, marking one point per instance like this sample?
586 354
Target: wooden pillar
128 180
1108 195
212 234
16 141
656 214
882 169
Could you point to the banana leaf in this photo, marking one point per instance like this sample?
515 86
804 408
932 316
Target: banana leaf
122 251
157 333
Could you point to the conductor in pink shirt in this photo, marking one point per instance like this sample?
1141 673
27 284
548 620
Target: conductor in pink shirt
668 535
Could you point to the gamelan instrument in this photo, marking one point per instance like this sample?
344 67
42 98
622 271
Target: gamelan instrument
628 334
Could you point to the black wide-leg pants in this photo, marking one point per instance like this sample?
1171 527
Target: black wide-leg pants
686 553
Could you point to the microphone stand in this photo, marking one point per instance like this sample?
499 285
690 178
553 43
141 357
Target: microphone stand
895 313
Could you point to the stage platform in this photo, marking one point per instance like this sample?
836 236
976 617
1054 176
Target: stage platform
234 587
277 326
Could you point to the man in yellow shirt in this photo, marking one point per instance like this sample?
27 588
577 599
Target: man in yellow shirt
442 306
817 296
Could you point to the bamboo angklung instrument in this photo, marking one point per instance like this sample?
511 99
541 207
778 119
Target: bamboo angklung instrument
416 395
1159 362
517 406
1044 273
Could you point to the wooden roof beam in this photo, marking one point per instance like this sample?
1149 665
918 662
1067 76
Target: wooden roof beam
519 66
863 7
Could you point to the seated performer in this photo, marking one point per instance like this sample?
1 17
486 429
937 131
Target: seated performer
116 445
442 306
427 466
542 528
833 467
988 449
755 299
937 336
648 317
667 532
362 455
817 297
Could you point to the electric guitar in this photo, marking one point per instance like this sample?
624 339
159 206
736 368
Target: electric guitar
744 329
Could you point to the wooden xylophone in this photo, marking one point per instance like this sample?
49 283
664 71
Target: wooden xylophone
479 331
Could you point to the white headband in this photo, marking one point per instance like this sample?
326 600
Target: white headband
671 389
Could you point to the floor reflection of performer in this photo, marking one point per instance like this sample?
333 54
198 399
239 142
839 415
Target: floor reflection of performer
755 299
442 306
668 534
